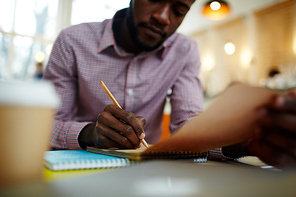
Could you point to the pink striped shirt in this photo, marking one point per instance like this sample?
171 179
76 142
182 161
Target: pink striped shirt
85 54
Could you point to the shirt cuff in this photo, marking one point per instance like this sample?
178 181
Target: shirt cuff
73 133
217 154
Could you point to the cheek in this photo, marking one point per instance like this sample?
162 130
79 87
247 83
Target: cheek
173 26
141 11
141 17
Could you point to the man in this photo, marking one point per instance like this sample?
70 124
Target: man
139 56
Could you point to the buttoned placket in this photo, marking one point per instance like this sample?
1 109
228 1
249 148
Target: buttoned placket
131 83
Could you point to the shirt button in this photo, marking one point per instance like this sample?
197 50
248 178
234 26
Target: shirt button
130 92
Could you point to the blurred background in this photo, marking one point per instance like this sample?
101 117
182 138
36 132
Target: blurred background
253 41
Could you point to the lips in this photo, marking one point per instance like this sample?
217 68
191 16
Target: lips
155 30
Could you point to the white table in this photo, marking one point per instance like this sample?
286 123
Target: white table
170 178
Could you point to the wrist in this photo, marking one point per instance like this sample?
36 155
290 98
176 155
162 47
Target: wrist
85 137
236 150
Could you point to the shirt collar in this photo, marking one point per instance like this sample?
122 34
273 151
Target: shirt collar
108 40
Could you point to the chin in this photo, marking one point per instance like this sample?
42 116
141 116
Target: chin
148 45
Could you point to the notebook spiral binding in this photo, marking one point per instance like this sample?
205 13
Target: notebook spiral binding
200 160
162 155
93 164
197 157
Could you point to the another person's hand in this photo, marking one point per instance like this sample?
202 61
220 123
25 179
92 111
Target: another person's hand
275 143
114 128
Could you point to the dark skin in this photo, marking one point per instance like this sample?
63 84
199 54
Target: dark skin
154 21
275 143
150 23
111 132
275 140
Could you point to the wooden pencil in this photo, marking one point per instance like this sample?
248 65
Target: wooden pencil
117 104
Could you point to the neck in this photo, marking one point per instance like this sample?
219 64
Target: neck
122 37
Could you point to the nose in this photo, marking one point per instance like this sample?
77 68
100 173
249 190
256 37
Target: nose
162 14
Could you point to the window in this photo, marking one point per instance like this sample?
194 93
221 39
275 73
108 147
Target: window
29 26
94 10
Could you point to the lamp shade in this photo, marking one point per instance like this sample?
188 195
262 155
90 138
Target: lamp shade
216 10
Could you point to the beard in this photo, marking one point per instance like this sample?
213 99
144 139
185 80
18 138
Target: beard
133 33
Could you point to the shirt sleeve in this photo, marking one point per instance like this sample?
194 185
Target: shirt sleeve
187 92
217 154
61 71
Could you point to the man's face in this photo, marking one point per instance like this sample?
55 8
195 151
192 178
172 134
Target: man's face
151 22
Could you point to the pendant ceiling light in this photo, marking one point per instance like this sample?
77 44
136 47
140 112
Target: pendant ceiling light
216 10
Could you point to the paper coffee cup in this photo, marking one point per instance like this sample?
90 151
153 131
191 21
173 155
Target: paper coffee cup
27 112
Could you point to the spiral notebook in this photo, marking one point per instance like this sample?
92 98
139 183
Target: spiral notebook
81 159
141 154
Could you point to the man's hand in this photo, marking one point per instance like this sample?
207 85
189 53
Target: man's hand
115 128
275 143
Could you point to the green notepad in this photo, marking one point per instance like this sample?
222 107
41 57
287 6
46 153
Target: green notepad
81 159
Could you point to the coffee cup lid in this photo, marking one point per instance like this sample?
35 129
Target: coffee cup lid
28 93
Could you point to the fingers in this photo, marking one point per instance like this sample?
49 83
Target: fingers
285 102
292 92
271 154
141 120
108 137
105 142
282 115
284 140
111 127
276 142
119 128
280 121
129 118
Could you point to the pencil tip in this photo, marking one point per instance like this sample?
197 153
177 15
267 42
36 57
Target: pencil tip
145 143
